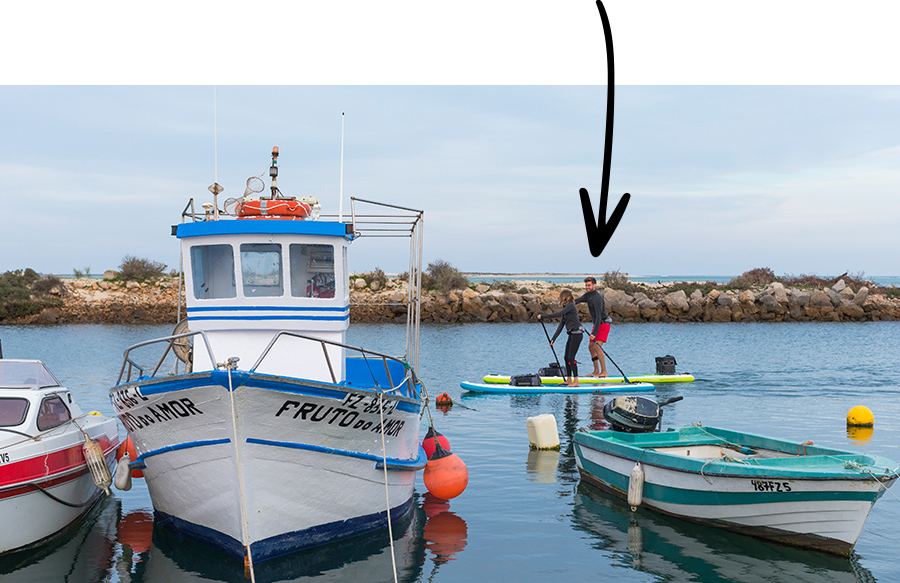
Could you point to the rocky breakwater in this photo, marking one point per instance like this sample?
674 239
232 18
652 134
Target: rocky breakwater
645 303
115 302
87 301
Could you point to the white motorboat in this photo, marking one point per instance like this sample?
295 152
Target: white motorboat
275 435
46 482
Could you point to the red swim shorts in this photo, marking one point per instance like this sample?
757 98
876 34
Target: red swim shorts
602 334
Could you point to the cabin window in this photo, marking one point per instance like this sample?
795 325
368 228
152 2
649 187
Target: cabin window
12 411
212 268
53 412
312 271
261 269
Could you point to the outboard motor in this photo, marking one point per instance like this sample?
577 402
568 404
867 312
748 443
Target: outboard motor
633 414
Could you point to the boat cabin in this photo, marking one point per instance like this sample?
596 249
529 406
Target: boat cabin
246 279
31 399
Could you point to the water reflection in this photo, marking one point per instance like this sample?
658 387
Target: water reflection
85 554
674 550
130 548
541 465
860 435
444 533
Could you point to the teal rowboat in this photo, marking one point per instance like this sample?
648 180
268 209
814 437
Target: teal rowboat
790 492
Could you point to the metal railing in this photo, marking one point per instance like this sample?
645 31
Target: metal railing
129 365
409 378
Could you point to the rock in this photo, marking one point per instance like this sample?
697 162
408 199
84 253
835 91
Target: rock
650 309
469 293
481 288
725 300
779 292
818 298
834 297
628 310
676 302
838 286
359 283
721 314
697 294
376 285
511 299
861 296
132 285
714 294
850 309
47 316
110 274
800 297
769 302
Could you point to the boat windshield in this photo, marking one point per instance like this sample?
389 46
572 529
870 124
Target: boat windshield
25 375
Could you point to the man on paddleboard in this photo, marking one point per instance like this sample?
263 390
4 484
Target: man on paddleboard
600 326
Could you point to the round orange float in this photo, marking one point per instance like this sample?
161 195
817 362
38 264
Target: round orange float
446 475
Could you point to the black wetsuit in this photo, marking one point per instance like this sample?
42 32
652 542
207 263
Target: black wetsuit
597 307
569 315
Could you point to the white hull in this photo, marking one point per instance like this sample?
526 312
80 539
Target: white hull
309 458
39 471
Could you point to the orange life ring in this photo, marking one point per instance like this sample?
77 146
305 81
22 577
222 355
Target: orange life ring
274 208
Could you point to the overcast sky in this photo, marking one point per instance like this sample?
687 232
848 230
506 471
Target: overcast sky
784 156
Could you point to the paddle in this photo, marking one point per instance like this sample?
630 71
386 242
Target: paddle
607 355
547 334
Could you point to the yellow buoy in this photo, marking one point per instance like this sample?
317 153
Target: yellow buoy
860 416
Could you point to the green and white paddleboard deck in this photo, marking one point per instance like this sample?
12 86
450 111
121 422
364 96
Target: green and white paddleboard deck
556 388
638 378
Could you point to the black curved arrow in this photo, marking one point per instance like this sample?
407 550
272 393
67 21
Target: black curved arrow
600 230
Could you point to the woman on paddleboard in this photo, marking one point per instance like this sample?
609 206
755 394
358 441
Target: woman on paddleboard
569 315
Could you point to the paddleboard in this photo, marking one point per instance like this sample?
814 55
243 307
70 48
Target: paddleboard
550 388
638 378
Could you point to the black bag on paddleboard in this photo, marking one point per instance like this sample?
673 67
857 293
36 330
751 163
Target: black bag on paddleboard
665 364
552 370
525 380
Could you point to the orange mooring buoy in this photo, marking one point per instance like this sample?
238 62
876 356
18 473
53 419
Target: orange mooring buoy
431 438
128 446
446 475
443 401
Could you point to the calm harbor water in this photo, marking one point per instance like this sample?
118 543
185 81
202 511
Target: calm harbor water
524 515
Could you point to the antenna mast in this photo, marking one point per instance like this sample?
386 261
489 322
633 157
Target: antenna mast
341 188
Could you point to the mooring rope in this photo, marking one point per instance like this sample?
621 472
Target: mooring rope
387 498
237 454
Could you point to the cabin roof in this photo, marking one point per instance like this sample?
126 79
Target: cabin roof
263 226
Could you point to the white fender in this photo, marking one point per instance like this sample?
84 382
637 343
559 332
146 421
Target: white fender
123 473
636 487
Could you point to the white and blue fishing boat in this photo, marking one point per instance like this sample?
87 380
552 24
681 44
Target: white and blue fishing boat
273 434
793 493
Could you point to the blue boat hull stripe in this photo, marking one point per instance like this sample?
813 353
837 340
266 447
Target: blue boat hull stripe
241 379
324 318
392 463
267 308
283 544
138 463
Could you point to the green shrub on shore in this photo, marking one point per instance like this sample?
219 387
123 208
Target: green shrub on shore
21 294
137 269
376 275
79 273
442 276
